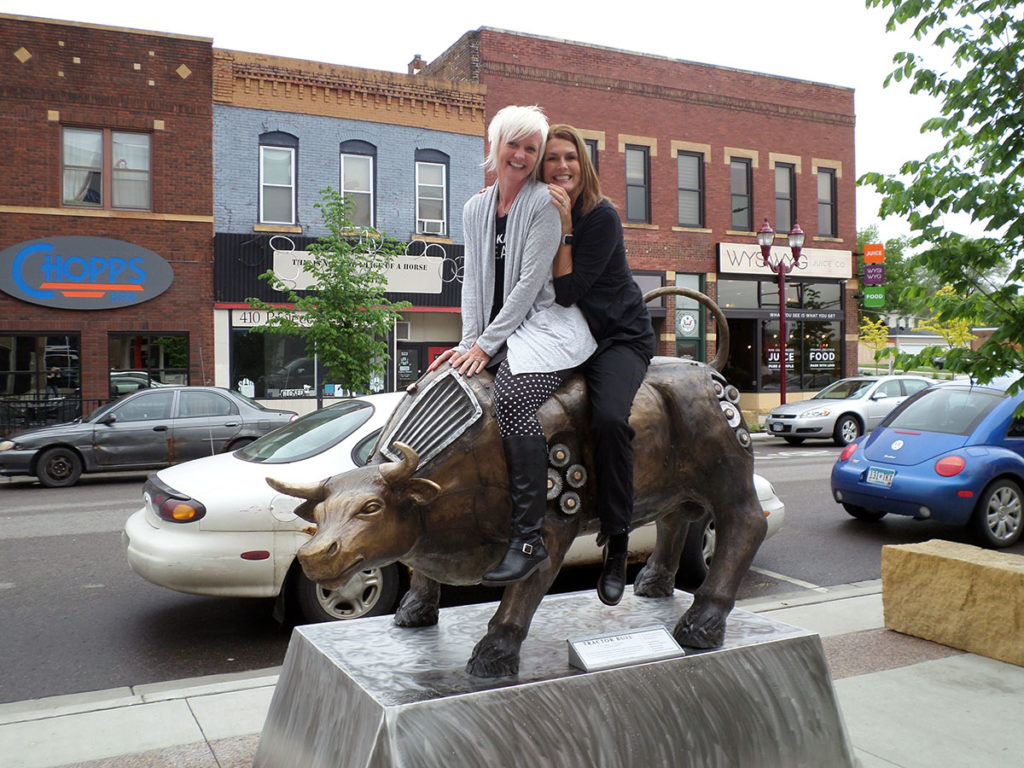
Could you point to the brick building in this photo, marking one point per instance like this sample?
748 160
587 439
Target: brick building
406 150
106 213
695 158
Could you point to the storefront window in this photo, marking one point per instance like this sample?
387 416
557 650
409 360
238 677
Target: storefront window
142 360
813 328
40 366
272 365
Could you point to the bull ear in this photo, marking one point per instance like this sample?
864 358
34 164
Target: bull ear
421 491
313 493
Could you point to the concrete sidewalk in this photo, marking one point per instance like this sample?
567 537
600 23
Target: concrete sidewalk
906 702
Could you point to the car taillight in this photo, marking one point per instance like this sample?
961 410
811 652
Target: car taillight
948 466
848 451
171 505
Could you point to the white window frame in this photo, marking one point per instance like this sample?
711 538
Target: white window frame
424 226
264 184
369 187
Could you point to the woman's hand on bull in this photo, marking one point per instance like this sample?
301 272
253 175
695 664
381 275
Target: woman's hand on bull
564 205
440 359
473 361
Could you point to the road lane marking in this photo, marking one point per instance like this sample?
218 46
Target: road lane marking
789 579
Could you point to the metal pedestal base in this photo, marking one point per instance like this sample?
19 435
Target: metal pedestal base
367 693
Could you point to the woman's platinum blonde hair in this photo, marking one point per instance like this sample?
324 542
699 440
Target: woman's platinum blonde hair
511 123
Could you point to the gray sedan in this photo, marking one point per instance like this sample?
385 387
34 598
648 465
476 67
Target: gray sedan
844 410
148 429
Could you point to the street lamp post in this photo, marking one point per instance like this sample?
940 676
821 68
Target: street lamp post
781 266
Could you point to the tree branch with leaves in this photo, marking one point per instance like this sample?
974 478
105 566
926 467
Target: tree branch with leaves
346 317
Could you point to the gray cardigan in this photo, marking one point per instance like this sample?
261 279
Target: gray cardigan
541 335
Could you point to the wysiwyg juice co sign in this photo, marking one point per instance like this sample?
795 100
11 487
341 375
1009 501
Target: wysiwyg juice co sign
83 273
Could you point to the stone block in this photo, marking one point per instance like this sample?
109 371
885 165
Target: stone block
958 595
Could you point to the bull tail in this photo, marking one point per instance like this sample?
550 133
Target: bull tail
722 356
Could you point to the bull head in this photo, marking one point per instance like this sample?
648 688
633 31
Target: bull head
397 476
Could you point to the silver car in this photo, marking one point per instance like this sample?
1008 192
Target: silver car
844 410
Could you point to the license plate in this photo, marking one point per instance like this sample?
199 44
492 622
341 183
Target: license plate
881 477
776 427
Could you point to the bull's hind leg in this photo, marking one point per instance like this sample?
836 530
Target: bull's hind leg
740 527
658 576
497 653
419 605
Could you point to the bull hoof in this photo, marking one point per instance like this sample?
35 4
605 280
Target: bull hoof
496 655
653 582
414 612
700 628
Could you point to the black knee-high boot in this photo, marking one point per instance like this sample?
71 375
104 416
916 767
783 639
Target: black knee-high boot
527 460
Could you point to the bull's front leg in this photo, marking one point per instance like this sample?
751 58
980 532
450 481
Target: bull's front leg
497 653
419 606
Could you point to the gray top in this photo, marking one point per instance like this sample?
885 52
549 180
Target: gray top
541 335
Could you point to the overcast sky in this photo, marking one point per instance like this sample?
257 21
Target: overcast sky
830 41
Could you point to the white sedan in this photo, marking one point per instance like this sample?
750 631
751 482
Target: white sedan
214 527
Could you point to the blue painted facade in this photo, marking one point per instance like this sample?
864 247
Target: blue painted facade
236 132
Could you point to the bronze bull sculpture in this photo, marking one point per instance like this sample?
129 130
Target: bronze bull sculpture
434 497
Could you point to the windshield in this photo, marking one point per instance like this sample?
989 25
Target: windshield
950 410
313 434
845 389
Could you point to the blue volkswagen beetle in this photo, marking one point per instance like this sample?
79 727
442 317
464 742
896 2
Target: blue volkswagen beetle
952 453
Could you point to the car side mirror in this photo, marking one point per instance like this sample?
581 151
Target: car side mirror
879 396
108 419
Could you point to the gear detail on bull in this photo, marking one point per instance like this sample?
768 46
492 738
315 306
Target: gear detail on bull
435 496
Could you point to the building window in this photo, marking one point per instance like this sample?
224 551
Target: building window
87 156
357 181
591 145
691 189
785 196
827 226
277 178
637 185
143 360
39 366
431 192
740 184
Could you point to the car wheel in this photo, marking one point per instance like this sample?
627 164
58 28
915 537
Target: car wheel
998 519
58 467
372 592
794 440
863 514
698 551
847 430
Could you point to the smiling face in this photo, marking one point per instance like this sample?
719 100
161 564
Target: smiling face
517 158
562 166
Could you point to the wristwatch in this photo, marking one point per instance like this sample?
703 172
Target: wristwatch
567 239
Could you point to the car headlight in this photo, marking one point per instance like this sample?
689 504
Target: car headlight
816 413
6 445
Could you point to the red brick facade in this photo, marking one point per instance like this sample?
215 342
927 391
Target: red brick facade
55 75
667 104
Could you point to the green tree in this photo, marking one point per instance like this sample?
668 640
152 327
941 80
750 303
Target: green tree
947 322
874 334
979 170
345 318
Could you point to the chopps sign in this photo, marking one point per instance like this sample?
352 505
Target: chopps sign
83 273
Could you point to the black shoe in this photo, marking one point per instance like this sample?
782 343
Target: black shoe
612 583
521 560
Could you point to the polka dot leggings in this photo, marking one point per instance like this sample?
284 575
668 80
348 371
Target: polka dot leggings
518 398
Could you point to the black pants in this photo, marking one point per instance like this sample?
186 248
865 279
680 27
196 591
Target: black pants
614 375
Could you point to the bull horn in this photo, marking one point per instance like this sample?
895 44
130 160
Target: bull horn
315 492
396 472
